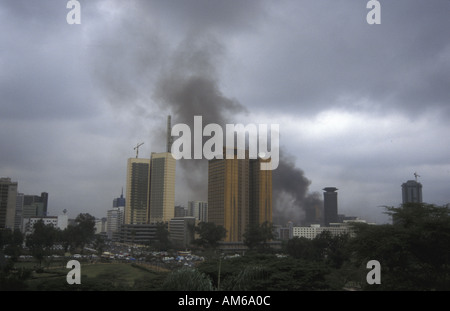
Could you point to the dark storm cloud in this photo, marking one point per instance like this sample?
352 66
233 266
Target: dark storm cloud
330 57
42 72
90 92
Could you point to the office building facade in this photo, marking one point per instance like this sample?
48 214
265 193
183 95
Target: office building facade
162 187
412 192
199 210
137 191
330 206
150 195
239 194
181 231
8 197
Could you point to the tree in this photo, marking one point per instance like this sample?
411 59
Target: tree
11 242
99 244
414 252
41 240
86 228
162 241
210 234
78 235
258 235
300 248
325 247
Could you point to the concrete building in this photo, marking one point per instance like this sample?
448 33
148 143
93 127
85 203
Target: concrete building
101 225
8 199
239 194
180 211
162 187
330 206
198 209
182 231
35 206
115 217
140 234
120 201
412 192
59 222
137 191
150 195
314 230
19 212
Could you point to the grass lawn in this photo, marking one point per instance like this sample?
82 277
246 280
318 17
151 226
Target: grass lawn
100 276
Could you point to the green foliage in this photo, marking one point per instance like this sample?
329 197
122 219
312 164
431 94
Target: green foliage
266 272
41 240
414 252
257 236
246 279
325 248
162 241
14 279
187 279
11 241
210 234
75 237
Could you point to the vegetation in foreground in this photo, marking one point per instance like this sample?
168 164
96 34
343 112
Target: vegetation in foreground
414 253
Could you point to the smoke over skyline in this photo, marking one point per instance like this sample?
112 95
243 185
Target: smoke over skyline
360 107
187 83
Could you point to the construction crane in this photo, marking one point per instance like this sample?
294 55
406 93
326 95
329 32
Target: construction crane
416 175
137 149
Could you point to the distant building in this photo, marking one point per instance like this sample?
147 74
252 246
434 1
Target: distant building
180 211
330 206
37 205
412 192
199 210
59 222
114 221
115 217
19 212
284 232
181 231
141 234
8 199
313 231
120 201
100 225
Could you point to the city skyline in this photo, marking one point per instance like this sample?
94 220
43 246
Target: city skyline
361 107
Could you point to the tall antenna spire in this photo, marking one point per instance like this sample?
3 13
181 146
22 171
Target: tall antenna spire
169 134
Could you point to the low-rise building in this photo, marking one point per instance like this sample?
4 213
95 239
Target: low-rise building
59 222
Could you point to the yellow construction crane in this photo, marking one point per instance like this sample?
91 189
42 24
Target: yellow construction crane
137 149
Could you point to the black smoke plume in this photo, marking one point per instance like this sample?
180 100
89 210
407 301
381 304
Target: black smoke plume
140 73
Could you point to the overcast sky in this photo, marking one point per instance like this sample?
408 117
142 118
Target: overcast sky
361 107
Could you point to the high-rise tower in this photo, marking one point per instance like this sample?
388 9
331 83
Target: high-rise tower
412 192
150 194
138 191
330 206
162 187
8 197
239 194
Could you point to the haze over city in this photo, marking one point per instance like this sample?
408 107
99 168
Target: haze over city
360 107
